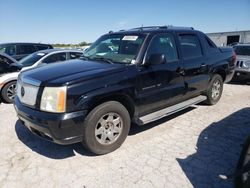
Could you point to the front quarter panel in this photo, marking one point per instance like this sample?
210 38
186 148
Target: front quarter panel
83 96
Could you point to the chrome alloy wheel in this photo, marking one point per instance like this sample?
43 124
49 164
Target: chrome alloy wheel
109 128
11 91
216 89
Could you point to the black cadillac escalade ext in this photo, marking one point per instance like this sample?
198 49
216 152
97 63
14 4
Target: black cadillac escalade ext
137 75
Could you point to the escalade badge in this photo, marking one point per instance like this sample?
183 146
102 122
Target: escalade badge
22 91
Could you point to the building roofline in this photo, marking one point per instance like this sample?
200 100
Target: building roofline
229 32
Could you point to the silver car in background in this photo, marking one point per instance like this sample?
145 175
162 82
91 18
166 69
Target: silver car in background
242 68
40 58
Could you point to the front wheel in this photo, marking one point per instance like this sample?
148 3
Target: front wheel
214 91
106 127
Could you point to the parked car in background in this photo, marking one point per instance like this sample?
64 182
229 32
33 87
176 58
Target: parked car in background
138 75
242 68
5 64
40 58
20 50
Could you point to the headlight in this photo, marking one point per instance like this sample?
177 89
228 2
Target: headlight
54 99
247 64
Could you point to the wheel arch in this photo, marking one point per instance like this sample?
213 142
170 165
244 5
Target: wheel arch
122 98
222 73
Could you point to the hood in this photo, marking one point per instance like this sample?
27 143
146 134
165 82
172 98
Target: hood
15 67
20 66
70 72
10 68
243 57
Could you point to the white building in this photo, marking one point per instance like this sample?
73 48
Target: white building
227 38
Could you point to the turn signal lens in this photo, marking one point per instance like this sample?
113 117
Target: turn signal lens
61 102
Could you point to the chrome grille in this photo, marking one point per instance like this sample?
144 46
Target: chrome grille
239 64
27 93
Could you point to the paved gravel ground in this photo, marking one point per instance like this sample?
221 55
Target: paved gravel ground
189 149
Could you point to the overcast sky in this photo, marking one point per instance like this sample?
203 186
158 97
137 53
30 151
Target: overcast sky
74 21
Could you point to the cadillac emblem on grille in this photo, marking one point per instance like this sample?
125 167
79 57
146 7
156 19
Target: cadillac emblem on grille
22 91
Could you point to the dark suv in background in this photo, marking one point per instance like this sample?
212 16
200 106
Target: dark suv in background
20 50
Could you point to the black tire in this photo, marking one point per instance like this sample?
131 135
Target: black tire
5 94
211 100
91 141
239 183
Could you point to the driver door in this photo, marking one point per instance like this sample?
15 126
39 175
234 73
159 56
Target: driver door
160 85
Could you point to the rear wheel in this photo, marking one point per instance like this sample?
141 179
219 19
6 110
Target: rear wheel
106 127
8 92
214 91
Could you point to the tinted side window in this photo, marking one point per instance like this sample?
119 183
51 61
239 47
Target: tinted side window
26 49
190 46
55 58
8 49
163 44
74 55
210 46
42 47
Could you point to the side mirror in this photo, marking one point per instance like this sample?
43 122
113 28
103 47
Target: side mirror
155 59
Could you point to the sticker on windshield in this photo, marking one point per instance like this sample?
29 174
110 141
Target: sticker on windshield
40 54
130 38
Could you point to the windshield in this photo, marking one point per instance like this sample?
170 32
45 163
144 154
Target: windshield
242 50
116 48
31 59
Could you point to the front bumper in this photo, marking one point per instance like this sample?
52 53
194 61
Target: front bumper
61 128
241 75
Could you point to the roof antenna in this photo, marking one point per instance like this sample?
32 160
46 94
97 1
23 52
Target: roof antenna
141 28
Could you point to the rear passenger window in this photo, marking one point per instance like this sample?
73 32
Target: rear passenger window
75 55
55 58
190 46
211 47
26 49
163 44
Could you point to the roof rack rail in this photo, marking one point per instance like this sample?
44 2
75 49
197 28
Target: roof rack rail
161 27
146 27
181 27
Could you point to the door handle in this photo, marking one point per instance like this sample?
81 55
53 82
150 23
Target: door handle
203 67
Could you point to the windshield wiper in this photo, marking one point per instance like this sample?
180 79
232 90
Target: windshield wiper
83 57
107 60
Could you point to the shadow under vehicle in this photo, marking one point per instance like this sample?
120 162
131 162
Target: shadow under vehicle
218 150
